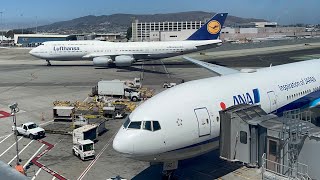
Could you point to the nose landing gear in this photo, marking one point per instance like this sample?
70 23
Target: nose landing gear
169 169
48 63
168 175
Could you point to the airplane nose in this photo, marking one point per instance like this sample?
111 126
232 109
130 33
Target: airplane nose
32 52
122 145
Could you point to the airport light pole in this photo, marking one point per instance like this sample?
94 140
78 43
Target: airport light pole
1 27
36 24
22 24
14 109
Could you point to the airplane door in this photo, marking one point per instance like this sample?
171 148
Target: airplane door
204 122
272 100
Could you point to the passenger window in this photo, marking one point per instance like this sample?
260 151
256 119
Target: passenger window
243 137
156 126
135 125
147 125
25 127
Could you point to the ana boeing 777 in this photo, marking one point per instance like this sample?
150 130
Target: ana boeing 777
126 53
184 122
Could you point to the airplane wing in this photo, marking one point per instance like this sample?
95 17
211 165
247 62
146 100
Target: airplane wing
212 67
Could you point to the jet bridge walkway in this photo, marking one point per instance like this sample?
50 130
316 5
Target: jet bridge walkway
284 147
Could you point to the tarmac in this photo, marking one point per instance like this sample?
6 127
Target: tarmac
28 81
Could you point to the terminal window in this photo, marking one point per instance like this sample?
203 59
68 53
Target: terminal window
243 137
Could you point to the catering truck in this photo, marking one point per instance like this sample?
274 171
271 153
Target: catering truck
116 88
83 145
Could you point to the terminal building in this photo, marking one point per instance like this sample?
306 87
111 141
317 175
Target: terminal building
31 40
177 31
164 31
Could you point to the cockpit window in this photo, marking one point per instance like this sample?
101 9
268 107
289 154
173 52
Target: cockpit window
135 125
126 123
147 125
156 126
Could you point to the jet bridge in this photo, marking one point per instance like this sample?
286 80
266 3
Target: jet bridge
283 147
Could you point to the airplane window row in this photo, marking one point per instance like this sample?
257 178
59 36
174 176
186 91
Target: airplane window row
168 49
316 89
146 125
132 50
296 95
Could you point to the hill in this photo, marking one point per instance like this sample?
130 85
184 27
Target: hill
120 22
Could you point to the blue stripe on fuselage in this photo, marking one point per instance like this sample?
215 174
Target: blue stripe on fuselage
303 102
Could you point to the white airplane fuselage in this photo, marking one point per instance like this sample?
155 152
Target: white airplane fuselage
87 50
189 113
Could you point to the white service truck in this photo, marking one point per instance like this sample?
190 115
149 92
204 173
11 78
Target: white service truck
83 145
117 88
30 129
84 149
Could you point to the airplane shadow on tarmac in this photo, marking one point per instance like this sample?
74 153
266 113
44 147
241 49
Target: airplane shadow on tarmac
205 167
132 69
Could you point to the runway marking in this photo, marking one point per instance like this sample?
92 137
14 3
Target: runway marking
46 122
20 152
10 147
95 160
35 175
165 69
6 137
42 166
4 114
25 165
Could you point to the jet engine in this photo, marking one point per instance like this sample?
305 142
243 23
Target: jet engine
102 61
123 60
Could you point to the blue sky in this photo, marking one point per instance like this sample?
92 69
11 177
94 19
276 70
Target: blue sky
48 11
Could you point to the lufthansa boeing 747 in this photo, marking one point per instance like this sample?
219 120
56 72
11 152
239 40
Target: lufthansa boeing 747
126 53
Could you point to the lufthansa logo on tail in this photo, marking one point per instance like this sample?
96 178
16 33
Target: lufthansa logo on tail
214 27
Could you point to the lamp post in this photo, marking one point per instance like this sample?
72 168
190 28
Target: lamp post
14 109
1 26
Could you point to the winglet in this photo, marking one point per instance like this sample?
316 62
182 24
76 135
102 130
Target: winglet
211 30
212 67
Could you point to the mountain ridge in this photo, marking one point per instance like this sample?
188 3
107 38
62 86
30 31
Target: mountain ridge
121 21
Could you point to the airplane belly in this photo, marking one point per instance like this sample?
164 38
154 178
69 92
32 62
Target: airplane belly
64 57
182 153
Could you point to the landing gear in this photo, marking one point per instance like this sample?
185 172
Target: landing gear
169 169
168 175
48 63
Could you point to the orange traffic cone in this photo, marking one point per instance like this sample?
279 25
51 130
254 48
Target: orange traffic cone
20 169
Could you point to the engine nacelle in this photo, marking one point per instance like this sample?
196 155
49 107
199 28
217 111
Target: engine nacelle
102 61
123 60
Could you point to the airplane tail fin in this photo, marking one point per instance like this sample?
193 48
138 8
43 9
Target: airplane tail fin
211 30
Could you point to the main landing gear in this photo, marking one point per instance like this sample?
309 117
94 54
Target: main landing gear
48 63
